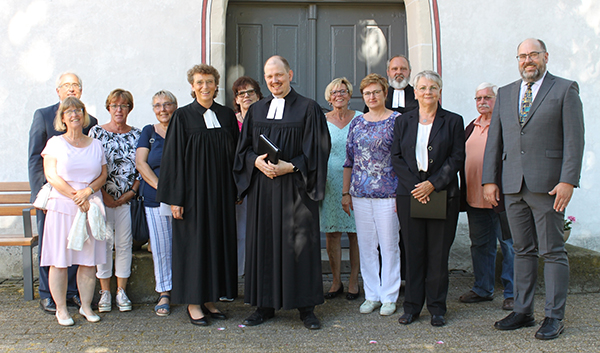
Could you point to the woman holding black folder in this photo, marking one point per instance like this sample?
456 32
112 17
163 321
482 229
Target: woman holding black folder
427 153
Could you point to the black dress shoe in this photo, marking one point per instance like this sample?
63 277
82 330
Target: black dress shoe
310 320
407 319
47 304
259 316
331 295
200 322
551 329
352 296
216 315
514 321
438 320
74 301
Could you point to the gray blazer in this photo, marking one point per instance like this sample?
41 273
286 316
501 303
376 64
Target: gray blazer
548 149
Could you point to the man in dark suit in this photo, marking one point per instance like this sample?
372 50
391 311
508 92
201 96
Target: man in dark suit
42 129
401 96
537 134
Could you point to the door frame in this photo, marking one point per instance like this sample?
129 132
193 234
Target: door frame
422 26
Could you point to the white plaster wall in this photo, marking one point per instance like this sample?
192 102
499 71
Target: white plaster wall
479 41
141 46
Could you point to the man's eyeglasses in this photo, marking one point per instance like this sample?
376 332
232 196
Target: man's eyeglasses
533 56
485 98
70 85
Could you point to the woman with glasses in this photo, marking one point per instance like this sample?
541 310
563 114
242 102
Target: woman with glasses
369 189
75 166
119 141
196 179
334 221
427 153
147 160
245 92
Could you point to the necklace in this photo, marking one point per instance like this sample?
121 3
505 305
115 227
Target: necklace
73 142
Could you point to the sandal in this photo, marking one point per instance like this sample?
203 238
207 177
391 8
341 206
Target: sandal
165 307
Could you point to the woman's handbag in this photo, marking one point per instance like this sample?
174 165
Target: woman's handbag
139 225
41 200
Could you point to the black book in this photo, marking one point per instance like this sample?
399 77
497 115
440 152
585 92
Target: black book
267 146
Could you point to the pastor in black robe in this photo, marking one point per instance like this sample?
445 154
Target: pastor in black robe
196 173
283 248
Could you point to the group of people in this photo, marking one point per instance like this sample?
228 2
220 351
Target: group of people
388 177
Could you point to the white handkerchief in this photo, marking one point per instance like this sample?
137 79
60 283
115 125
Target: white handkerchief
398 100
276 109
210 119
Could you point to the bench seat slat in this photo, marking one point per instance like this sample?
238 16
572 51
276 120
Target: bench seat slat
14 186
16 240
14 198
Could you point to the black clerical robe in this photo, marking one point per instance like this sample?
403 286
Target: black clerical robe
196 173
283 248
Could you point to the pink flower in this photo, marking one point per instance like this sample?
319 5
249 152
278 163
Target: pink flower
571 218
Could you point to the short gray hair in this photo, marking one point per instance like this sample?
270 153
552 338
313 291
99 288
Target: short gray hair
430 75
164 93
485 85
68 73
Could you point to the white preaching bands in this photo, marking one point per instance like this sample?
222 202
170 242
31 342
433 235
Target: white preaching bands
276 109
210 119
398 99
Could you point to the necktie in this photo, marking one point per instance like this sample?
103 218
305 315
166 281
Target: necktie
525 104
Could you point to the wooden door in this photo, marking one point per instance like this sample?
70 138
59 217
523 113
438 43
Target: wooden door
321 42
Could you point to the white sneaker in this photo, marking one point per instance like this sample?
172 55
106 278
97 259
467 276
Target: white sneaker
368 306
387 309
105 303
123 302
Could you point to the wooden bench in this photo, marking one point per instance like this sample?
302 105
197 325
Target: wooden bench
14 201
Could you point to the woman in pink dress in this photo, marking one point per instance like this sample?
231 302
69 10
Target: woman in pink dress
75 166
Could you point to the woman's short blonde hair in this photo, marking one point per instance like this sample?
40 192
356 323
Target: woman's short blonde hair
338 82
70 102
374 78
119 93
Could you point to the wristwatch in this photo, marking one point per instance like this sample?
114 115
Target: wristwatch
295 168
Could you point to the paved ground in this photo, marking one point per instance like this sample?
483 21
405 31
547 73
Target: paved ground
23 327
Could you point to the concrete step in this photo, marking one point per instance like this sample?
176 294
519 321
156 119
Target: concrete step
584 264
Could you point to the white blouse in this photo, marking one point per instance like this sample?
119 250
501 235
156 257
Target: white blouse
421 152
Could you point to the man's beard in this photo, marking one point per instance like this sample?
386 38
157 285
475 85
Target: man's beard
533 76
398 85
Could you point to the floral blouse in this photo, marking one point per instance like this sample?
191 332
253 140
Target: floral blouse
120 157
368 153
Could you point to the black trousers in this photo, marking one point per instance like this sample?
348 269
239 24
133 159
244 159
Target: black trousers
427 244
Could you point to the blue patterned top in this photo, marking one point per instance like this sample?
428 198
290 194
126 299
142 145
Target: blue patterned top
368 153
